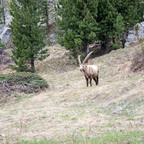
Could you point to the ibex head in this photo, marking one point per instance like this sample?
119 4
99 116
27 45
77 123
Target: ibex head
82 65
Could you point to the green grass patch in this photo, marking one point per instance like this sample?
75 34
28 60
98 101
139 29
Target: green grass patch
110 125
24 97
65 116
74 118
45 117
112 137
82 130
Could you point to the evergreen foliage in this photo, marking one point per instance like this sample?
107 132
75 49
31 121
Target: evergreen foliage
110 23
115 18
77 21
2 11
27 34
2 45
82 22
45 7
27 82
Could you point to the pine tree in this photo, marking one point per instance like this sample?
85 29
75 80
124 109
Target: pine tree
82 22
77 24
132 13
27 34
45 8
110 24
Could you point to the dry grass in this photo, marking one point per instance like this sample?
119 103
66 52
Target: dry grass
70 108
138 60
5 60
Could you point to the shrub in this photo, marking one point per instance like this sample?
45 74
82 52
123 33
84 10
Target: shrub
2 45
23 82
141 40
117 44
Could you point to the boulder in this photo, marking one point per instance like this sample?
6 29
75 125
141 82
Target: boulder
132 38
5 34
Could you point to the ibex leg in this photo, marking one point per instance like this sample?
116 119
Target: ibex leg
90 81
97 81
86 80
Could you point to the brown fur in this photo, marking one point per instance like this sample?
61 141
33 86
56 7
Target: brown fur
90 71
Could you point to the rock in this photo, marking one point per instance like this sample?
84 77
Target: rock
5 34
52 36
132 38
127 44
1 50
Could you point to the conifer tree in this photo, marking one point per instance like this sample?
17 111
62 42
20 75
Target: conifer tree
82 22
110 24
132 13
27 34
45 8
77 24
115 18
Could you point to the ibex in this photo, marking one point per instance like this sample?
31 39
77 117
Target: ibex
90 71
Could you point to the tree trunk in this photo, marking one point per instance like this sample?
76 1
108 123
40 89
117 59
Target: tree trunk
4 19
3 12
87 51
124 37
107 45
32 65
47 16
102 47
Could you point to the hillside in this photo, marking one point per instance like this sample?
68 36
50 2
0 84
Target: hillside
69 109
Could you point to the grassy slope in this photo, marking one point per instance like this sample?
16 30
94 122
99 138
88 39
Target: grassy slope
70 109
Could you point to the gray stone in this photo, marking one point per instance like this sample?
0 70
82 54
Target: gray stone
132 38
127 44
52 36
5 34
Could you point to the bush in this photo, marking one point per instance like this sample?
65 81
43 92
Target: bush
23 82
116 45
141 40
2 45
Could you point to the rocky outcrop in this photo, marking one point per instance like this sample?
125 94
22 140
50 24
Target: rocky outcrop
5 31
5 35
133 37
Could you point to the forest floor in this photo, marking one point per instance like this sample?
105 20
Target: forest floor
69 109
